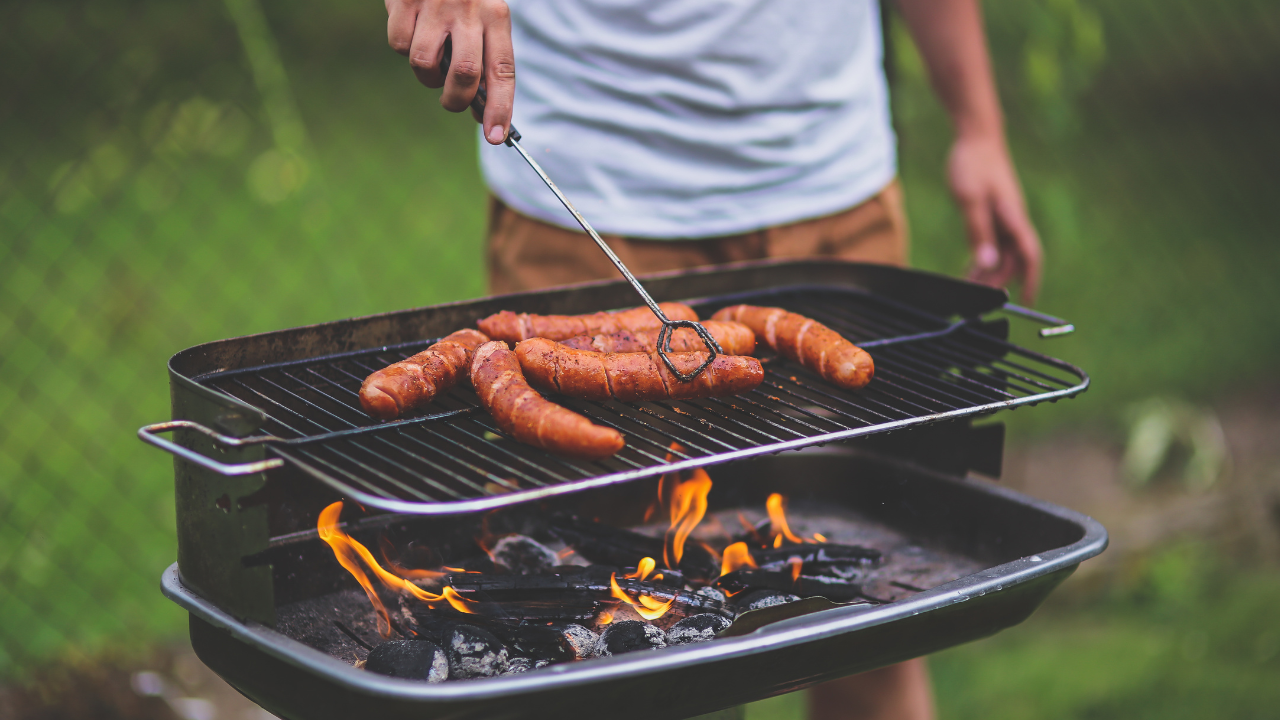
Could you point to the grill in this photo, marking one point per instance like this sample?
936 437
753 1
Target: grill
269 431
929 368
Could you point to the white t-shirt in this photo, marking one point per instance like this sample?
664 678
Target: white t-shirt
695 118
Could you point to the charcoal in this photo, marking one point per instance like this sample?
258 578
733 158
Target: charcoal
566 597
409 659
629 636
818 553
833 588
696 628
519 665
758 599
541 663
712 593
521 555
543 642
474 652
601 543
580 639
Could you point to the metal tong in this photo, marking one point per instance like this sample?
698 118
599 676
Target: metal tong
668 325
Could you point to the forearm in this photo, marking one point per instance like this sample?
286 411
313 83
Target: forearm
951 40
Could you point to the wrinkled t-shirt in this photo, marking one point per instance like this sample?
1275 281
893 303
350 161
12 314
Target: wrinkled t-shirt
676 119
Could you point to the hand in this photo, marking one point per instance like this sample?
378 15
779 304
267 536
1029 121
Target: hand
1004 242
480 34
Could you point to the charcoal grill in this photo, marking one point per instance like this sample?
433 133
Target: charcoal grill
271 432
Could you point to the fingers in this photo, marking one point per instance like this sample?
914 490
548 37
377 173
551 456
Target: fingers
466 67
982 238
427 49
499 72
1023 244
401 17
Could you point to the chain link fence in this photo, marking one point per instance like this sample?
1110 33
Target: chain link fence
175 173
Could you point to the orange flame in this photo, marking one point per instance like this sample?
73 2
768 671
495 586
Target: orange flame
796 565
643 569
349 552
410 573
736 556
776 505
688 506
648 607
605 617
661 500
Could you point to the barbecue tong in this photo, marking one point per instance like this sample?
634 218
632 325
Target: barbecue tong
668 325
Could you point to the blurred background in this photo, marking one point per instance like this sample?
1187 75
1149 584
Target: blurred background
175 173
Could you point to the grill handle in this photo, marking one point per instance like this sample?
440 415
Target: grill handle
1058 325
148 435
668 325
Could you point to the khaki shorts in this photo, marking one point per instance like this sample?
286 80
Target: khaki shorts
528 254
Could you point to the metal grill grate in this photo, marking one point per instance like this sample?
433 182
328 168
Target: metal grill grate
455 459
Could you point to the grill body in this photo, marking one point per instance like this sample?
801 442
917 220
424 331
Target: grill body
1025 546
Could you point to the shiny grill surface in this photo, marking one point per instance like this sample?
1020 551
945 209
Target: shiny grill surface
454 458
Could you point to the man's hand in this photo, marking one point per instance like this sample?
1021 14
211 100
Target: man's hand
479 32
951 40
1005 244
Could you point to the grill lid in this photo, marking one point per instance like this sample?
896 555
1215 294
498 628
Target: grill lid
455 459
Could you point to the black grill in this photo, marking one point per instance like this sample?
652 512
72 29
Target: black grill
455 459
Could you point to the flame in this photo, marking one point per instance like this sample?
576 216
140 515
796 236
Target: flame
776 505
643 569
688 506
661 500
820 537
349 551
736 556
605 617
648 607
408 573
796 564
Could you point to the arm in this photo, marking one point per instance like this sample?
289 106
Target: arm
981 174
480 35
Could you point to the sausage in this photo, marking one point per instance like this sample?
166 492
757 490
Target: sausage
511 327
525 415
411 383
734 338
808 342
633 376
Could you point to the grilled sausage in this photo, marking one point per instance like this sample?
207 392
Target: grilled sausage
808 342
511 327
525 415
409 384
734 338
633 376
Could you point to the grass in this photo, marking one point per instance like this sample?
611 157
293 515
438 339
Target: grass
145 207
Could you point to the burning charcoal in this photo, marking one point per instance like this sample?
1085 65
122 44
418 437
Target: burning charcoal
409 659
714 594
601 543
759 599
519 665
696 628
832 588
522 555
629 635
474 652
582 640
816 554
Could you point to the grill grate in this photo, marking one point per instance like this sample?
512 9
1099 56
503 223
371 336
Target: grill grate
456 460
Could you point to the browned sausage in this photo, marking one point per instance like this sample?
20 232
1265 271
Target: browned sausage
411 383
525 415
511 327
734 338
633 376
808 342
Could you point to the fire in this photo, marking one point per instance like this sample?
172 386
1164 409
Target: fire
736 556
404 572
796 565
643 569
648 607
776 505
350 552
687 507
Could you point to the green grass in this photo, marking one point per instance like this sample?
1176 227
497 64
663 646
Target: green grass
131 226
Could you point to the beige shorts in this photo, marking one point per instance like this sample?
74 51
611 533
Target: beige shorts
528 254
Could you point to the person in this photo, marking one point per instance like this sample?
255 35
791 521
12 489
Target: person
694 132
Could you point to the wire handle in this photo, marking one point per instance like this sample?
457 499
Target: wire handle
668 325
148 435
1059 326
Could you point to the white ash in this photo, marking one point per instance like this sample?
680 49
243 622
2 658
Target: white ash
523 555
759 599
474 652
541 663
628 636
697 628
519 665
582 640
712 593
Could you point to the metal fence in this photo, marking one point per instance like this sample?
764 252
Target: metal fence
173 173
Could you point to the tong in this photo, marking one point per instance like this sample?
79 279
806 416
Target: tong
668 325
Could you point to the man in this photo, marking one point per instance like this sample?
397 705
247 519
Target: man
694 132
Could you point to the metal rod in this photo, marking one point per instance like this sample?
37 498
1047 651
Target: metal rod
1060 326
